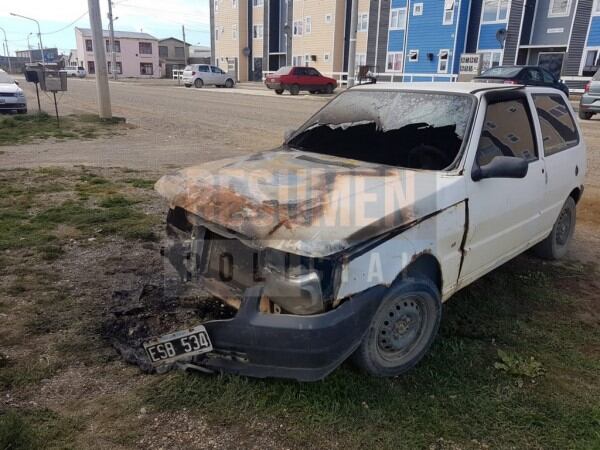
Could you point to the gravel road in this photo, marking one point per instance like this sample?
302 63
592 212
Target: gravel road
176 126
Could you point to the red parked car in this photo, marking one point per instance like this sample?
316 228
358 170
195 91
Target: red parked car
296 79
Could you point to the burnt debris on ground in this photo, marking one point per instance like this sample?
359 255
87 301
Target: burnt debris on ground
155 309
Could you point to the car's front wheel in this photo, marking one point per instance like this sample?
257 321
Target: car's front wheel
294 89
402 329
198 83
555 246
585 115
279 91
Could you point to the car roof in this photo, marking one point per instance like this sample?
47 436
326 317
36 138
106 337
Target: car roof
451 87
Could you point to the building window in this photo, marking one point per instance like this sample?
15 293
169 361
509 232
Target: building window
307 25
448 12
360 60
596 8
91 67
257 3
88 46
234 34
443 61
179 53
297 29
559 8
119 67
163 51
328 18
216 5
297 60
393 62
418 9
398 19
117 46
257 31
216 34
326 57
307 60
495 11
413 55
234 4
591 62
490 59
146 69
145 48
363 22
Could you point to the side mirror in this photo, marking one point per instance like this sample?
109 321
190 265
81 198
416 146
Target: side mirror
501 167
287 134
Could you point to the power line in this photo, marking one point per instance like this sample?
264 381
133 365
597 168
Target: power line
67 26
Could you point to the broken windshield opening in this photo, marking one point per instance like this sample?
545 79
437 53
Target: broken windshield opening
415 130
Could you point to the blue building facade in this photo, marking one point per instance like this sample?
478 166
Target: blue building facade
422 40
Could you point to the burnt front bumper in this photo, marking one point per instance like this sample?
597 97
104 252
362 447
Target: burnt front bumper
304 348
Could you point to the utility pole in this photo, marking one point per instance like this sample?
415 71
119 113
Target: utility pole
352 46
102 89
39 34
113 63
185 58
7 52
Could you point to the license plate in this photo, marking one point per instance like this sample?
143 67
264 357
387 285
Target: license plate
178 345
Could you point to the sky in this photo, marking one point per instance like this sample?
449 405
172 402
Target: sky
58 18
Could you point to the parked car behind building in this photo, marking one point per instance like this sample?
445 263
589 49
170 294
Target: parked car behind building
296 79
75 71
344 241
525 75
589 104
199 75
12 97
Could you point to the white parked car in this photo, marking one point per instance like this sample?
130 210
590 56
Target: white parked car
199 75
74 71
12 97
345 241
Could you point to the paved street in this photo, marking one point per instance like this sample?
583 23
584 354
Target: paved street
175 125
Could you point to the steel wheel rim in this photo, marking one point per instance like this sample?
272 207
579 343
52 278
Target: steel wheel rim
401 328
563 227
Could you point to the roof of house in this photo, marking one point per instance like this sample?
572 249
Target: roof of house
119 34
173 39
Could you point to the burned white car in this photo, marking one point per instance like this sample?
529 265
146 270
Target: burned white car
345 241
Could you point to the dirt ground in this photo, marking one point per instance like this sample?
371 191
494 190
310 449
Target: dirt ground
76 392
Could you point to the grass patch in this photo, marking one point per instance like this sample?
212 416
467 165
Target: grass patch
26 128
458 395
141 183
31 429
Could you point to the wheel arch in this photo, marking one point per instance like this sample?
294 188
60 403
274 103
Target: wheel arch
424 265
576 194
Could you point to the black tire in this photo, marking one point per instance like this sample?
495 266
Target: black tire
188 85
294 89
585 115
279 91
556 245
329 89
402 330
314 92
198 83
22 111
229 83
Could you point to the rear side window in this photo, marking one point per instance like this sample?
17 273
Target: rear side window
203 69
558 127
507 131
548 78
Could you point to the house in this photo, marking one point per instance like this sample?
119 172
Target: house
199 54
419 40
136 53
50 54
73 59
173 54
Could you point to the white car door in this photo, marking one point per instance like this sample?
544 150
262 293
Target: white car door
564 153
503 212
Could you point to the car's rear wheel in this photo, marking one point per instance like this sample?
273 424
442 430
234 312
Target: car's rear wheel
585 115
229 83
402 329
555 246
294 89
329 89
22 111
198 83
279 91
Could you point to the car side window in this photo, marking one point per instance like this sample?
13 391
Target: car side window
548 77
534 75
313 72
300 71
203 69
559 131
507 131
216 69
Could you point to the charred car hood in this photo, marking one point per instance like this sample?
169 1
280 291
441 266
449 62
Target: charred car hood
306 203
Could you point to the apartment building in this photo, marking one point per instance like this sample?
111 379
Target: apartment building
419 40
136 53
